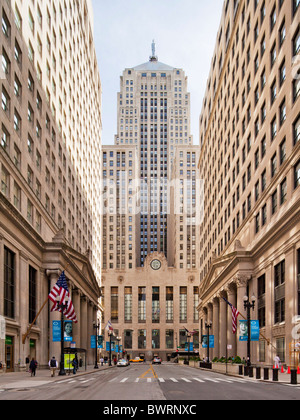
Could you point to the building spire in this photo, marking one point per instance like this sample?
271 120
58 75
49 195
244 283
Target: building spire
153 57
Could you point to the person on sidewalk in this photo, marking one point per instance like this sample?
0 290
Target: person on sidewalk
277 362
53 366
33 366
75 365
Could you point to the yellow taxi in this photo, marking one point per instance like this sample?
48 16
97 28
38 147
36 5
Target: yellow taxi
136 360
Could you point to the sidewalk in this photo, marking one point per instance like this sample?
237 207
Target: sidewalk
18 380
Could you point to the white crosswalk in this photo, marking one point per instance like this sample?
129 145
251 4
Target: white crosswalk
176 380
189 380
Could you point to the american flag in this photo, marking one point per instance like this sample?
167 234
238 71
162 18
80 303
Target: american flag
190 332
235 314
61 290
109 326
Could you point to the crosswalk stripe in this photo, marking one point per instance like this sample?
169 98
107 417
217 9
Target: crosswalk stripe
211 380
174 380
186 380
124 380
199 380
161 380
148 379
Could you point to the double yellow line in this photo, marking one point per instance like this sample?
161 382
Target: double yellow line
149 371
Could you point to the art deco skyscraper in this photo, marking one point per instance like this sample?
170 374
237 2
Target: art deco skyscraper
151 172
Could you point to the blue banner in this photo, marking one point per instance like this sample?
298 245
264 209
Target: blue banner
254 330
56 331
211 342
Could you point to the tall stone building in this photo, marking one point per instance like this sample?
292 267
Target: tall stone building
150 224
249 161
50 121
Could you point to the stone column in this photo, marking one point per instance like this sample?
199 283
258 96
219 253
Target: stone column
76 327
242 282
223 326
54 348
23 308
216 326
83 325
231 338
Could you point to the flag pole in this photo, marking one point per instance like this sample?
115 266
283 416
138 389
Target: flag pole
24 336
33 322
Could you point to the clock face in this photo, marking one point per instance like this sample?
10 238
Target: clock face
156 265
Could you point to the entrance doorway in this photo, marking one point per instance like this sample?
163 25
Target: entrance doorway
9 354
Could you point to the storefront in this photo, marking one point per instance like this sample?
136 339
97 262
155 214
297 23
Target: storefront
9 353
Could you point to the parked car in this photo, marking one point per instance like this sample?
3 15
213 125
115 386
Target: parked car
156 361
123 362
136 360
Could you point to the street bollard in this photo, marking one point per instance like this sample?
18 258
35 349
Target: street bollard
275 375
246 370
266 374
250 370
240 369
258 372
294 377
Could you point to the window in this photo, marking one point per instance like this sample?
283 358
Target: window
183 304
297 175
9 283
283 191
114 301
155 305
32 293
261 289
128 304
296 130
142 304
169 304
142 339
279 288
5 182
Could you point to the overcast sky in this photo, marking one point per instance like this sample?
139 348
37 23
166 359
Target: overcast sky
184 31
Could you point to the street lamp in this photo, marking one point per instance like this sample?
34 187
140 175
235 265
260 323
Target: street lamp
62 307
96 325
248 306
110 333
118 340
208 326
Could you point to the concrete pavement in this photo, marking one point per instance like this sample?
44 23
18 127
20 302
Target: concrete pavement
17 380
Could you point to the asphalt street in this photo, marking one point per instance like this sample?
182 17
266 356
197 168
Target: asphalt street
145 382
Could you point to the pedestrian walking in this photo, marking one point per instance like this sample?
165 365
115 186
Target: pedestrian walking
33 366
101 361
75 365
27 361
53 366
277 362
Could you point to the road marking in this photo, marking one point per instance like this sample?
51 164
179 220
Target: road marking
148 379
124 380
174 380
211 380
161 380
186 380
199 380
137 380
225 380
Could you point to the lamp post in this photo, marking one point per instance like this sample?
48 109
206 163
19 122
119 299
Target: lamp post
96 325
110 333
118 340
62 307
208 326
248 306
